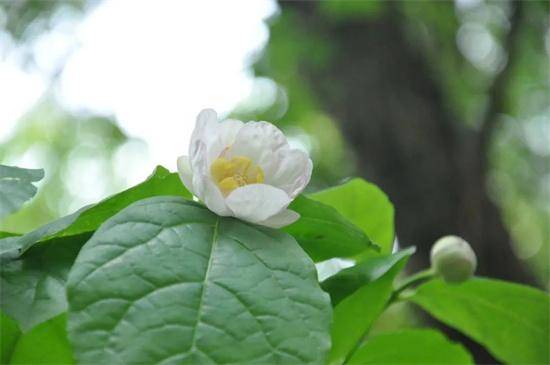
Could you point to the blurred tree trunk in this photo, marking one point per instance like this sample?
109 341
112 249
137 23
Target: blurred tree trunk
380 87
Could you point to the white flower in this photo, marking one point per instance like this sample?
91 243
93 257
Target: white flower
244 170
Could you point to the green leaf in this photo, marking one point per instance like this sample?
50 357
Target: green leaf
161 182
32 288
13 247
7 234
347 281
9 334
89 218
323 233
167 281
510 320
47 343
364 205
354 315
16 187
9 247
414 346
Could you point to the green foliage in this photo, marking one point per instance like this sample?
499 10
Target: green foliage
161 182
9 334
6 234
510 320
324 233
419 346
366 206
12 247
166 280
347 281
32 288
16 187
46 343
163 279
9 246
88 219
354 315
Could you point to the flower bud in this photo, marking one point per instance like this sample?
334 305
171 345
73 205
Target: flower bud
453 259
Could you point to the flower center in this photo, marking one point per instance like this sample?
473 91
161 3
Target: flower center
236 172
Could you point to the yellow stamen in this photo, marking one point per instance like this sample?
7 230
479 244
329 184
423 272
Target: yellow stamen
236 172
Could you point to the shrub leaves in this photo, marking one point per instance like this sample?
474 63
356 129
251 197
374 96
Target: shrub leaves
16 187
355 314
411 347
510 320
364 205
324 233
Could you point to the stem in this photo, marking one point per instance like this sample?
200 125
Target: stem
416 279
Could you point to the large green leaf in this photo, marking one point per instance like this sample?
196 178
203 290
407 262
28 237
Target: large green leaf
16 187
32 287
9 335
414 346
510 320
354 315
46 343
89 218
347 281
167 281
324 233
7 234
366 206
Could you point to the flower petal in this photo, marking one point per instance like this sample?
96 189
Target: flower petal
257 202
259 141
186 175
206 123
203 134
281 219
225 136
213 199
292 172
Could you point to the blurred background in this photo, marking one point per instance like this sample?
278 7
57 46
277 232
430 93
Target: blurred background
444 104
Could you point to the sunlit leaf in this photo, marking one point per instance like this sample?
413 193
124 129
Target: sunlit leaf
411 347
366 206
354 315
9 334
46 343
16 187
510 320
324 233
7 234
167 281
